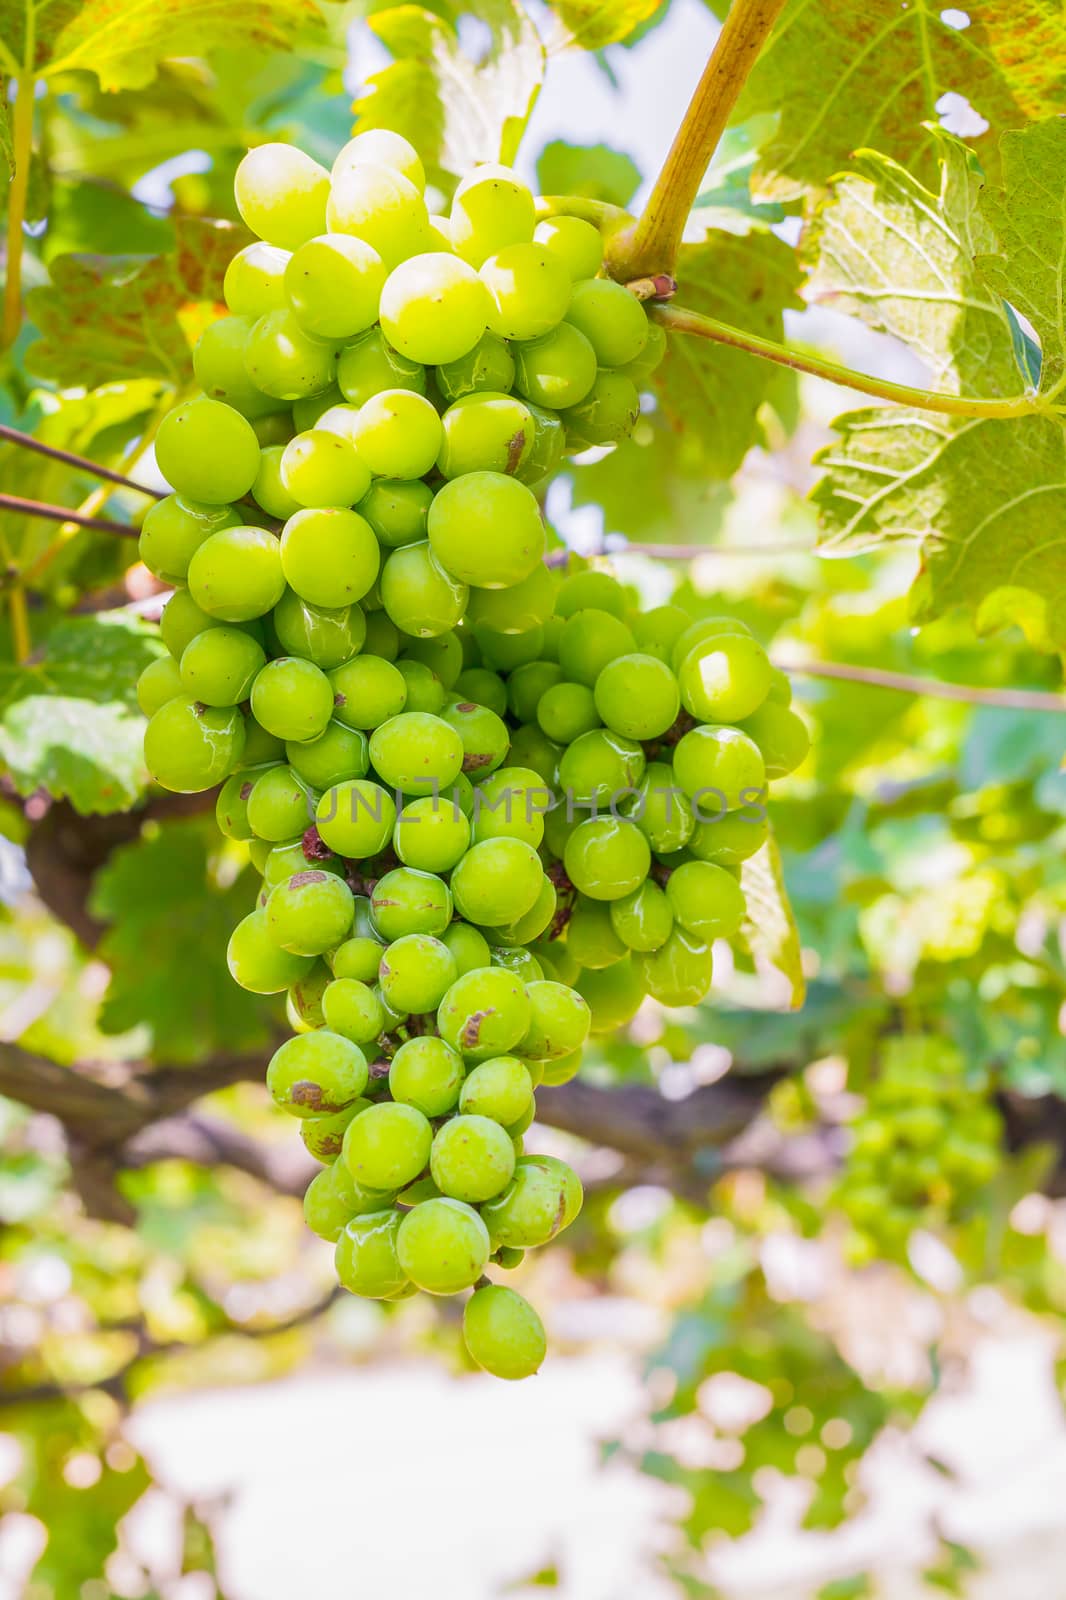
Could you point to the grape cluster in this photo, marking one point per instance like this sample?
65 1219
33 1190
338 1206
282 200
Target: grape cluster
927 1143
493 807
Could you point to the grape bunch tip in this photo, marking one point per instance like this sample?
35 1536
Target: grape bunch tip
493 806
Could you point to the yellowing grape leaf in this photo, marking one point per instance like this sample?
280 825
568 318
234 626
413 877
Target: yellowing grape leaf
769 930
106 318
850 74
705 389
124 43
592 24
455 110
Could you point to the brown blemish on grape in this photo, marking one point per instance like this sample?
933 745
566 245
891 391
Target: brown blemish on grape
307 1093
471 1029
313 845
515 447
299 880
245 790
475 760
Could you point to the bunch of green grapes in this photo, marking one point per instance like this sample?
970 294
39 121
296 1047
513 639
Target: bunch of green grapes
928 1141
493 807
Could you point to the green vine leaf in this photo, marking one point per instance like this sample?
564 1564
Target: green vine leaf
105 319
594 171
123 45
883 70
769 930
456 111
69 721
594 24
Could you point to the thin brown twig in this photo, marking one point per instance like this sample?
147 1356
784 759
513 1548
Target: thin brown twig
27 441
50 513
931 688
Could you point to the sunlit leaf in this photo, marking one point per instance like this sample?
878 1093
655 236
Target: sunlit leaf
592 24
594 171
770 930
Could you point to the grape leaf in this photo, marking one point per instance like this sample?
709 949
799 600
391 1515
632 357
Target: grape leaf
986 497
123 44
103 319
593 24
770 931
69 721
594 171
883 70
711 392
170 923
455 110
653 487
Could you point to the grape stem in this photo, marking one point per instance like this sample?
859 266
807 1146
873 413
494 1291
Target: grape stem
26 441
20 623
932 688
49 513
22 157
678 320
651 244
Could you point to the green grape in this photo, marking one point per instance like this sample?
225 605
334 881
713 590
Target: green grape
310 913
660 810
485 1013
443 1245
207 451
159 682
468 945
590 640
508 622
607 858
780 692
387 1146
367 692
485 737
285 362
472 1159
612 320
425 692
707 901
500 1089
279 805
697 633
416 753
337 754
426 1073
600 766
257 963
549 446
416 973
643 920
333 1199
488 367
532 923
678 973
333 284
443 653
434 308
502 1332
398 434
529 291
431 834
497 881
366 1259
567 710
485 433
591 939
358 958
174 529
521 963
720 769
236 574
218 365
658 630
319 468
559 824
329 555
260 748
281 194
542 1199
556 955
276 428
781 736
533 749
486 530
556 1073
607 413
556 370
574 242
725 679
268 491
382 207
327 635
219 666
292 699
559 1022
614 995
731 839
594 590
189 747
397 510
323 1136
637 696
382 147
352 1009
406 901
317 1072
484 688
641 368
382 636
309 410
286 858
491 209
255 280
305 996
527 686
370 366
356 818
